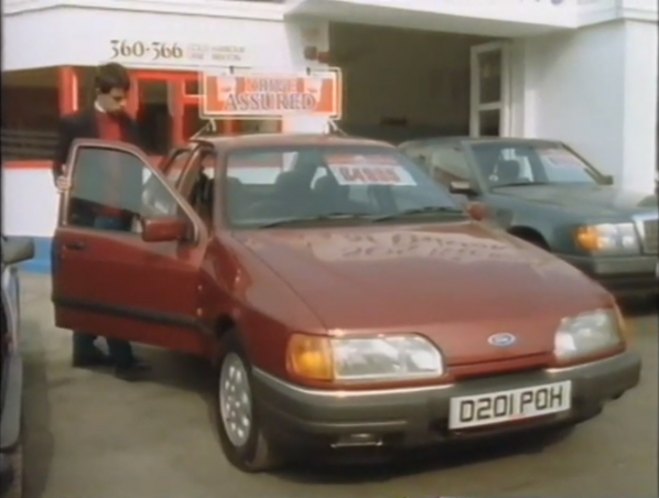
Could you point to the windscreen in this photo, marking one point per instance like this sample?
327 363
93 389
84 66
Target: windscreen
504 164
266 185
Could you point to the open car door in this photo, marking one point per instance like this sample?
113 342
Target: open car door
127 252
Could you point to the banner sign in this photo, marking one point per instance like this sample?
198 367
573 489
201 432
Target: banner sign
255 95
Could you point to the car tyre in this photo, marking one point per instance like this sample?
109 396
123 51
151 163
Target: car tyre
242 437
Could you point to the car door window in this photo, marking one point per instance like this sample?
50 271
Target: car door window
449 164
113 189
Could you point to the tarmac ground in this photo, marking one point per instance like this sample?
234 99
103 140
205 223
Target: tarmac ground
90 435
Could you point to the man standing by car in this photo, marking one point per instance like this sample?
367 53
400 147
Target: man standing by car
107 120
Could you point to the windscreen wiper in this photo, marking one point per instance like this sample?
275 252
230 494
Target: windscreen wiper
319 217
520 184
420 210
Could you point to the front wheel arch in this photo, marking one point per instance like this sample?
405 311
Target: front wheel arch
222 326
530 235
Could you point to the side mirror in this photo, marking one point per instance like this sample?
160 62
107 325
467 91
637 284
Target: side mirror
608 179
477 211
462 188
164 229
17 249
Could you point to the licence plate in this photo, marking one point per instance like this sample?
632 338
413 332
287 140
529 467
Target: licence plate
511 405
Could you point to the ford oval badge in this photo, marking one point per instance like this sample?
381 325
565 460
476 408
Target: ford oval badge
502 340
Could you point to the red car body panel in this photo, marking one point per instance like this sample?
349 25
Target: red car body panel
456 283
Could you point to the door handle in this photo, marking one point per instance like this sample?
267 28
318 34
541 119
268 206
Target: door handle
75 246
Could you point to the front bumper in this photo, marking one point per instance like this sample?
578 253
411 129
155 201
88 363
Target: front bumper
300 418
621 275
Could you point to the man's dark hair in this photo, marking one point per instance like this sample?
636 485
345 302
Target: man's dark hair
112 75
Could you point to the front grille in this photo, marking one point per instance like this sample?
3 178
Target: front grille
526 364
650 236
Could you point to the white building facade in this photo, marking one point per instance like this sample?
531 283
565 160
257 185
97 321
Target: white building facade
581 71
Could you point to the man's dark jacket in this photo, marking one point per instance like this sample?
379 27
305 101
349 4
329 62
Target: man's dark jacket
84 125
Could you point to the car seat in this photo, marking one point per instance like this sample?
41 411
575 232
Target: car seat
330 196
292 194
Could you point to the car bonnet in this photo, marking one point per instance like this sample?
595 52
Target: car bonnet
456 283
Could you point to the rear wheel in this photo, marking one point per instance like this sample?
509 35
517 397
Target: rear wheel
241 434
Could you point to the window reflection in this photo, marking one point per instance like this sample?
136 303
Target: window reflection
113 190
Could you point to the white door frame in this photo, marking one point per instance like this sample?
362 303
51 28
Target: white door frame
503 104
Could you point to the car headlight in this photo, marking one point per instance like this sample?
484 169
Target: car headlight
354 359
587 334
608 238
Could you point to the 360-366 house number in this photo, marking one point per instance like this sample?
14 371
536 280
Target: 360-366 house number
125 49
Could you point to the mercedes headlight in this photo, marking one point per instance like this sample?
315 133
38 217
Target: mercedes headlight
587 334
608 238
363 359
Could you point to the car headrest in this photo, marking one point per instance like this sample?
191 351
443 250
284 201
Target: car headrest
291 183
508 169
287 177
327 182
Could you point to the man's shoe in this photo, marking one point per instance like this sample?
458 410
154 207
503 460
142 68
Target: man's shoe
140 365
90 360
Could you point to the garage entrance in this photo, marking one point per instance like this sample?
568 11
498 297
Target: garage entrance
401 83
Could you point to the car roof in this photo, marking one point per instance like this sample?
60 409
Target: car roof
288 139
479 140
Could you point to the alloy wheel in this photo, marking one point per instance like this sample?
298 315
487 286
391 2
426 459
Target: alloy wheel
235 400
